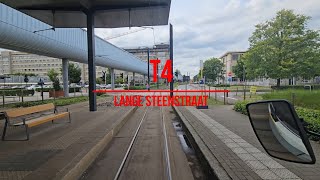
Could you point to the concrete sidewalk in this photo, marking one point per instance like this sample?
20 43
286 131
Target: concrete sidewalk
227 140
60 150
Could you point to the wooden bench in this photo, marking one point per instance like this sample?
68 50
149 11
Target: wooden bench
32 116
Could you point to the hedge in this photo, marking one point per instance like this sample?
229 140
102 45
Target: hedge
220 85
57 102
71 90
311 116
315 86
16 92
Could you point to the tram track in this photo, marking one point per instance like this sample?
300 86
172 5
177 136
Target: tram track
145 148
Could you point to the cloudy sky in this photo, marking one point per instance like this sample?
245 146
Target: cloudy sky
209 28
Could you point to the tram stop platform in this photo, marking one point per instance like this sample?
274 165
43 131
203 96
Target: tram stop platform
228 143
60 150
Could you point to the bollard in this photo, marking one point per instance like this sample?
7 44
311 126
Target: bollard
224 97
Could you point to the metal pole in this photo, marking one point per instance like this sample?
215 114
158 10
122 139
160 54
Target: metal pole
65 64
157 76
91 61
112 78
171 58
42 93
3 99
148 69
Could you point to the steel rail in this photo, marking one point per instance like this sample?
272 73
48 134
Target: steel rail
166 150
130 147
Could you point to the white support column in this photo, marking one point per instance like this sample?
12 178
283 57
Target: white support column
65 64
112 78
133 78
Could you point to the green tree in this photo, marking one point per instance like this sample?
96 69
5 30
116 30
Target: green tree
283 48
53 76
74 73
239 69
212 69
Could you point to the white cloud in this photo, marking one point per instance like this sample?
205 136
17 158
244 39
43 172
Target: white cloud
207 28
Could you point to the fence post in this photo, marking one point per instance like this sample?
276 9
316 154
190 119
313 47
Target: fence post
244 92
3 99
22 95
215 93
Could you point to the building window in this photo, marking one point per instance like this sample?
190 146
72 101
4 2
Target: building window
235 57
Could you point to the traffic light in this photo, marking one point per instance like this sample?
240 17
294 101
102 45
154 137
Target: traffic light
176 73
121 75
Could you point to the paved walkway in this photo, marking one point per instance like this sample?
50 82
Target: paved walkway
228 142
59 150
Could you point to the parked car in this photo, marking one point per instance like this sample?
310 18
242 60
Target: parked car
34 87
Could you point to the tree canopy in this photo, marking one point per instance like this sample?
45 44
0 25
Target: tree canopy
283 47
74 73
213 69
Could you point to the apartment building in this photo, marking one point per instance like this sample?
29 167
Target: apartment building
159 51
230 59
12 62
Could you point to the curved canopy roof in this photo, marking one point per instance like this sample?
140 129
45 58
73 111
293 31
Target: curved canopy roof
17 32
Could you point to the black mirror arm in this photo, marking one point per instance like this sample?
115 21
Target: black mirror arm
305 125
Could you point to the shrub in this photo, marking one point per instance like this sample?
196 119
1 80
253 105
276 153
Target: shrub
312 117
136 88
17 92
44 89
240 106
57 102
220 85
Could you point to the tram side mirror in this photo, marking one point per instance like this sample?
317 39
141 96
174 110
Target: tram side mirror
280 131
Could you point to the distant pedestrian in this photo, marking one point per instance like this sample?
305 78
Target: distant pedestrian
148 86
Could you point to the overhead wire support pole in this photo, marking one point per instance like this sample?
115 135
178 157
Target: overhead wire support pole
91 60
171 58
148 68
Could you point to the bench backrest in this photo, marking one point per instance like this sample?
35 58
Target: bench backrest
13 113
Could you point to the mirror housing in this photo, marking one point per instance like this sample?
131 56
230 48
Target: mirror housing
280 131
